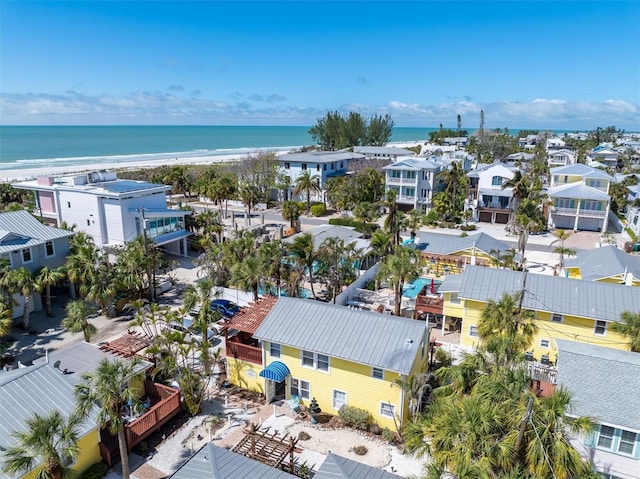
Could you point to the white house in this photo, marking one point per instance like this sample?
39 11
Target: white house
324 164
413 180
382 152
489 201
561 157
606 156
604 384
110 210
27 243
632 213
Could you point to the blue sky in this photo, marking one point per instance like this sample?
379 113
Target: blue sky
527 64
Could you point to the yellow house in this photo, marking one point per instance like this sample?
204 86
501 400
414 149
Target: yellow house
448 254
565 308
339 356
41 389
607 264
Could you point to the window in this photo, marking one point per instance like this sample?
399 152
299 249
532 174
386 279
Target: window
287 166
377 373
304 166
316 361
591 205
324 167
411 175
300 388
387 409
342 164
88 222
26 256
496 181
317 166
423 193
600 328
627 442
48 249
605 437
473 331
396 174
595 183
333 166
274 350
68 204
453 298
339 399
410 191
556 318
544 343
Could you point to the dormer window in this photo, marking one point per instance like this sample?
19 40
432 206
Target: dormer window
496 181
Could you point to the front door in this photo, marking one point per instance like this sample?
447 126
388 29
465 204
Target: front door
281 390
270 390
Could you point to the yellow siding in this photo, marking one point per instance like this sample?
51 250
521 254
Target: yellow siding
245 374
574 273
571 328
450 309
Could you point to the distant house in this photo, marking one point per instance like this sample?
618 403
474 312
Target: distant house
335 354
27 243
528 142
604 385
561 157
607 264
488 199
324 164
382 152
605 155
632 213
414 181
112 211
459 142
41 389
565 308
580 198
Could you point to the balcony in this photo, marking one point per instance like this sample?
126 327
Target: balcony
165 404
244 352
429 304
583 212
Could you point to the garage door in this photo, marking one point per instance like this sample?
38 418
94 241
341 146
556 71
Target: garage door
485 217
502 218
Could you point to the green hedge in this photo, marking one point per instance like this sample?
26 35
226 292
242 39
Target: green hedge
318 209
97 471
355 417
371 227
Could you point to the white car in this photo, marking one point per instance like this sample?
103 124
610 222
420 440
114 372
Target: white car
192 334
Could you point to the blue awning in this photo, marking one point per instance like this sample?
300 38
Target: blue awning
276 371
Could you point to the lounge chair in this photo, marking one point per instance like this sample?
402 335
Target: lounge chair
294 403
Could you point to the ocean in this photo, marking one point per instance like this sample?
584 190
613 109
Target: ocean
30 147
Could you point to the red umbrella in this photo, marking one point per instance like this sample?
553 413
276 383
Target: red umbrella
432 288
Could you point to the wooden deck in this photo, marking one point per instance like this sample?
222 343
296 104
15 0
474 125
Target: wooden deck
244 352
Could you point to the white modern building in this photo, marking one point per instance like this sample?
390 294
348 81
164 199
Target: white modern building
414 180
110 210
488 199
382 152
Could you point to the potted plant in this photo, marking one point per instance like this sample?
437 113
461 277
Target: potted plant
314 410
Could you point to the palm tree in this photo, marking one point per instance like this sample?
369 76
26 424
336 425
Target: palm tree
198 296
562 236
629 326
273 257
250 196
248 274
381 243
102 289
307 183
367 213
21 281
180 181
110 388
519 185
78 312
397 268
454 179
303 253
49 444
413 220
6 322
81 262
291 212
44 279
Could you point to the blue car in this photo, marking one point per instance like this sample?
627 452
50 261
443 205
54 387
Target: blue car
225 307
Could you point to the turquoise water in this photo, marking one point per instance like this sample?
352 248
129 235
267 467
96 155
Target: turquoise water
304 292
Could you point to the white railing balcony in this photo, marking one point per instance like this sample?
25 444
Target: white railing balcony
406 198
583 212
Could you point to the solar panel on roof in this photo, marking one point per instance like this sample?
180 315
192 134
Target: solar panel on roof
125 186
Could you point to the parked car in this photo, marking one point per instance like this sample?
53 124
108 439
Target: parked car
225 307
192 334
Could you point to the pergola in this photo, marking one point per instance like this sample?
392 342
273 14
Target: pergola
269 449
127 345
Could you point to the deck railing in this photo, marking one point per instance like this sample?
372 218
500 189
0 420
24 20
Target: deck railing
429 304
244 352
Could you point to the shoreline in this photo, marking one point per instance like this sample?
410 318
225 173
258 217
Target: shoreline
15 175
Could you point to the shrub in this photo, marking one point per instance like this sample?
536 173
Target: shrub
446 224
443 357
360 450
318 209
389 436
463 234
631 234
468 227
302 205
304 436
355 417
97 471
375 429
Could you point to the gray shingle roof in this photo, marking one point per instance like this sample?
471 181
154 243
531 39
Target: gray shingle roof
577 190
603 262
19 229
588 370
586 299
338 467
379 340
440 243
213 462
35 389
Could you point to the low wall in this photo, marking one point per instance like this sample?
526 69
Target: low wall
365 277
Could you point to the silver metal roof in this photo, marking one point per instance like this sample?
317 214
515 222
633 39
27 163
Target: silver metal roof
379 340
579 169
586 299
35 389
588 370
577 190
603 262
413 164
213 462
321 233
19 229
441 243
338 467
450 283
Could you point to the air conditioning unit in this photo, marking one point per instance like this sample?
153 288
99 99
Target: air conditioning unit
529 356
545 359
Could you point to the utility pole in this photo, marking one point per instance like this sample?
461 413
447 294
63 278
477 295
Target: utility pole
523 424
524 283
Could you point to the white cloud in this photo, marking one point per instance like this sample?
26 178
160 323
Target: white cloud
158 107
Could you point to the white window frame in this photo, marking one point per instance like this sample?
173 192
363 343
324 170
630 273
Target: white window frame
304 356
333 399
53 249
557 318
633 443
300 390
454 298
384 407
545 343
277 348
315 357
599 324
608 438
22 252
473 331
373 373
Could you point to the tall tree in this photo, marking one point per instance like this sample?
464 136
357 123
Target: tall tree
459 123
307 183
303 253
248 274
22 281
6 322
291 212
46 448
180 180
198 297
379 130
399 267
109 387
455 182
44 279
367 213
629 326
562 236
77 319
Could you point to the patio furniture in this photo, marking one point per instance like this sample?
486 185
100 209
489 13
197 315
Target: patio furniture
294 403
